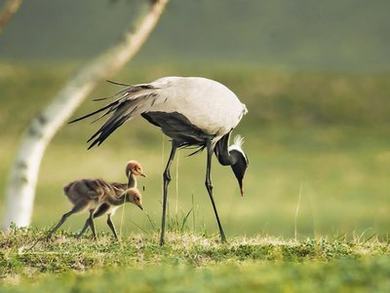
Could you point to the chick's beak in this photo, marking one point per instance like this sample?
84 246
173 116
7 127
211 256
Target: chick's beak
140 206
142 174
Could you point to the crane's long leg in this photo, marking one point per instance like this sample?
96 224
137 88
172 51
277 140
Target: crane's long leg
112 227
166 179
89 223
92 223
60 223
100 212
86 225
209 187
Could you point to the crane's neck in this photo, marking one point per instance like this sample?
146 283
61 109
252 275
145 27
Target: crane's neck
132 180
222 152
234 156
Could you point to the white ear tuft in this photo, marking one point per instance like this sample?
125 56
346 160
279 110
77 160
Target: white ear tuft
238 141
237 144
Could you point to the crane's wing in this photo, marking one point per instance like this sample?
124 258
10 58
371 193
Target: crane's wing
129 102
91 188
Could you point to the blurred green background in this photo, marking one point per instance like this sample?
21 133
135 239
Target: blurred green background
350 35
314 76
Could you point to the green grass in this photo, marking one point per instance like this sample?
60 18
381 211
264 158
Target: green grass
344 275
137 262
320 137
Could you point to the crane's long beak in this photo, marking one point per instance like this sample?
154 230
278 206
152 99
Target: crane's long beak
241 187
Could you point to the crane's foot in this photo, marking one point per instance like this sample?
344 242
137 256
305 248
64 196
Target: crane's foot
223 237
162 241
48 237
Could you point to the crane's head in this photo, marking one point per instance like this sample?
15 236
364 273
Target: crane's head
135 168
134 196
239 161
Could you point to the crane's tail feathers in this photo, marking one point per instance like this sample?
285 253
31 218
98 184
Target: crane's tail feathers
105 131
117 95
198 150
101 99
93 113
129 102
118 83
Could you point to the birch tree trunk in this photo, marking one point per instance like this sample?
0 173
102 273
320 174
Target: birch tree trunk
10 8
20 191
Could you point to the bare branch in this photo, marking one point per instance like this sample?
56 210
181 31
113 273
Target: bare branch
10 8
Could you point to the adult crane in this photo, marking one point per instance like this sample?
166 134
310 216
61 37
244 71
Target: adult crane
194 112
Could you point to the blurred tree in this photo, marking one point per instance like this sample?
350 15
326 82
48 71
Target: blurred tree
9 9
20 192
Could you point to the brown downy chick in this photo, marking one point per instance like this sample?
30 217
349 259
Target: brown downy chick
100 197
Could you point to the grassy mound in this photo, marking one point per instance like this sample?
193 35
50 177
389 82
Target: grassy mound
138 262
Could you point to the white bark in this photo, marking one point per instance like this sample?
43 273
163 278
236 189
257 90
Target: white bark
20 191
9 10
